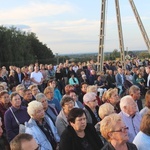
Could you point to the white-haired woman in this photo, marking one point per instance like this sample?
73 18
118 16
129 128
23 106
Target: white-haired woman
41 127
91 108
115 132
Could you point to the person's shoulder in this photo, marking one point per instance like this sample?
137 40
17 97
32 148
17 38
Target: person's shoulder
8 112
131 146
108 146
68 132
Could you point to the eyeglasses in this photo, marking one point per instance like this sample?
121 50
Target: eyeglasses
38 148
95 100
69 103
123 129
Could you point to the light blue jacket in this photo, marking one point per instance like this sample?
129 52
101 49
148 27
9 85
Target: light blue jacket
39 136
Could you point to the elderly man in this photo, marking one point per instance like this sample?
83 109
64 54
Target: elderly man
130 116
134 91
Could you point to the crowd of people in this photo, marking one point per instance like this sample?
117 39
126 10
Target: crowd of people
72 106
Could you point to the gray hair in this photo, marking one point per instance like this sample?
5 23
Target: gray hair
125 101
32 107
90 96
39 96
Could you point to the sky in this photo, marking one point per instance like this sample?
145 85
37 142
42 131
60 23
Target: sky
73 26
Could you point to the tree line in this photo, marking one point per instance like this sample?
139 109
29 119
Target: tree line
22 48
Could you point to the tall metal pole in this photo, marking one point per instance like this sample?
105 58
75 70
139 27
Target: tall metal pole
101 37
137 16
121 43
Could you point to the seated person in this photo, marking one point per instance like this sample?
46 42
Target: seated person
79 135
115 132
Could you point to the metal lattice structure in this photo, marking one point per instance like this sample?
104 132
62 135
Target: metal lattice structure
120 33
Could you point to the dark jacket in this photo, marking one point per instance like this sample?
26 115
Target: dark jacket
17 77
70 141
130 146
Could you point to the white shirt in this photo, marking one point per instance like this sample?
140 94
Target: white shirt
37 76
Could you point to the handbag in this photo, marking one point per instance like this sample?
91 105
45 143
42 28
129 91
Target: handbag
21 126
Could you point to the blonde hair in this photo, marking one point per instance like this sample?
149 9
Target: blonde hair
19 87
110 92
32 107
48 89
92 88
105 110
108 125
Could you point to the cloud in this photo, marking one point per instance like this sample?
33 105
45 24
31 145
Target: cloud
34 10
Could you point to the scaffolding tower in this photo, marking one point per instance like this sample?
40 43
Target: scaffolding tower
100 58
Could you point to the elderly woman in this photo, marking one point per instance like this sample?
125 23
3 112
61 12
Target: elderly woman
105 110
49 93
93 88
147 104
41 127
49 109
14 116
79 135
67 103
142 139
91 108
112 97
115 132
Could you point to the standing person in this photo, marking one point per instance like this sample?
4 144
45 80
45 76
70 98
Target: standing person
37 78
120 79
18 76
18 111
110 79
11 80
79 135
41 127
